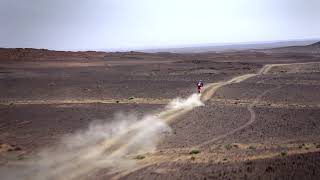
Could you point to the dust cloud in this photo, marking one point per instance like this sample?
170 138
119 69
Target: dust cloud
188 103
111 146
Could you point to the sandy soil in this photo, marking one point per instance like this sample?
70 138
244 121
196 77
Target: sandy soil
260 119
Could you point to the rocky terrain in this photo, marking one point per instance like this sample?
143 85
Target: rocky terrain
263 124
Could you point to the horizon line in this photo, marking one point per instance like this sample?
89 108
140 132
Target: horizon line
178 46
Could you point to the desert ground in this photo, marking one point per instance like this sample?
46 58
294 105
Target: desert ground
257 117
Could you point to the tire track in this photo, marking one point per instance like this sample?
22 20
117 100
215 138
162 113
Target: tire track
251 120
264 70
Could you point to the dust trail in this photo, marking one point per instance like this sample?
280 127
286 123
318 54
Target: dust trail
179 106
82 153
109 146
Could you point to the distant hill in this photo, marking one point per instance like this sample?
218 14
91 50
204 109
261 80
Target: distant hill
317 44
30 53
45 54
309 47
313 48
232 47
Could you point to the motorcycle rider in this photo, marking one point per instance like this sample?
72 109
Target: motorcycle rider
199 85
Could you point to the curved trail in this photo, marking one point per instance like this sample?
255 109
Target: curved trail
251 120
264 70
267 67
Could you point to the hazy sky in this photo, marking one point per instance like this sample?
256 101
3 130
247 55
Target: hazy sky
121 24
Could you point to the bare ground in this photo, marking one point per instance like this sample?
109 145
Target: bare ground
264 127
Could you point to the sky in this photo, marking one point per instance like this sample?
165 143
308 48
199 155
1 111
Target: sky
144 24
